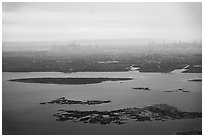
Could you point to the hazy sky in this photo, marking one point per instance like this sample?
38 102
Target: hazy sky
72 21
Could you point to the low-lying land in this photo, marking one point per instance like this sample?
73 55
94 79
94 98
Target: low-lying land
68 81
160 112
46 61
63 100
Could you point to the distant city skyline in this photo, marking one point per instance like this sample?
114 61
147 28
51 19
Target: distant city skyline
89 21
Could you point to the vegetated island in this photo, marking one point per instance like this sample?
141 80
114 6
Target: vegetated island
190 133
177 90
196 80
63 100
141 88
69 81
161 112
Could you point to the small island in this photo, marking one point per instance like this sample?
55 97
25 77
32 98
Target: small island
177 90
69 80
159 112
141 88
63 100
196 80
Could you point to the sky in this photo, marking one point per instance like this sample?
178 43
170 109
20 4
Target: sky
76 21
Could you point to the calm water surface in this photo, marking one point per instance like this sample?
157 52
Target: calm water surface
22 113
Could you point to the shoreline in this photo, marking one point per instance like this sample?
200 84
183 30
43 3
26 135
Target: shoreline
171 72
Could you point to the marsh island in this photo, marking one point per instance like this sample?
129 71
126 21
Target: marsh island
63 100
68 81
161 112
